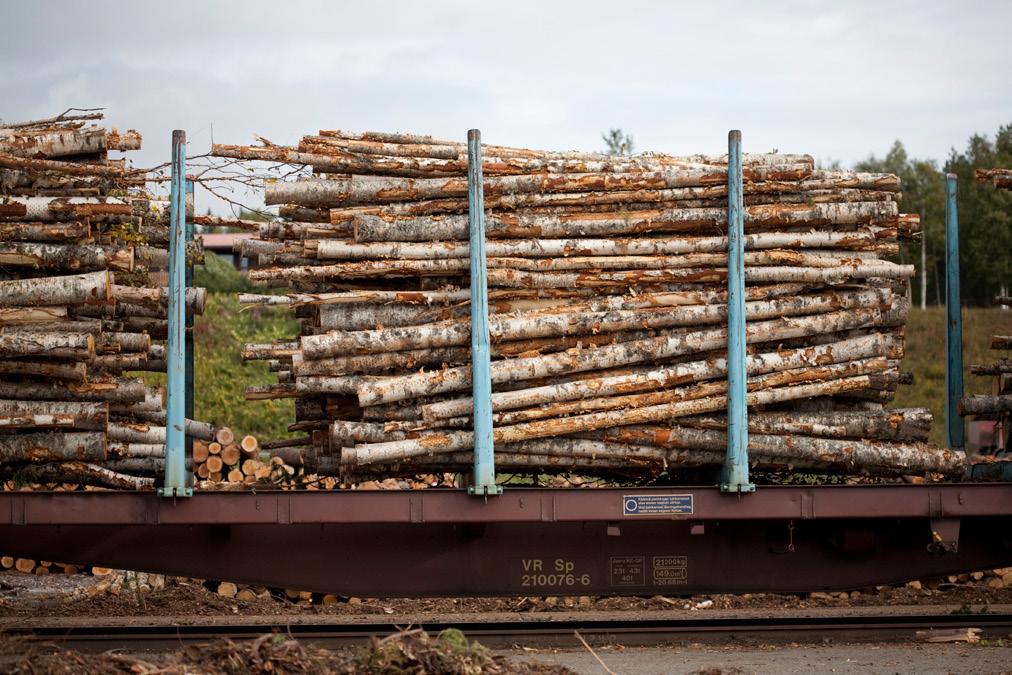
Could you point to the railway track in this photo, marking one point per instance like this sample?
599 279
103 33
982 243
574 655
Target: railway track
541 632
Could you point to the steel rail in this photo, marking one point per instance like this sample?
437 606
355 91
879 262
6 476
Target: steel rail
545 631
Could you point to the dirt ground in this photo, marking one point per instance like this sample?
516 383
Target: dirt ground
71 600
448 652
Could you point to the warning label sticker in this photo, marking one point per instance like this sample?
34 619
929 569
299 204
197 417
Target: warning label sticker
656 505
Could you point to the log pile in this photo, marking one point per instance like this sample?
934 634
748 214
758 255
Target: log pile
996 406
607 290
999 178
83 249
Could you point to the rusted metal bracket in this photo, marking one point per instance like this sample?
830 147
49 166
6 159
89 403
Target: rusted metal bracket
944 535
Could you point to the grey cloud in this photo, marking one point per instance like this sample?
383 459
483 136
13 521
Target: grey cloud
838 80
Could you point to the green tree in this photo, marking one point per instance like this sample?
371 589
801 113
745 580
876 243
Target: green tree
985 218
923 188
618 142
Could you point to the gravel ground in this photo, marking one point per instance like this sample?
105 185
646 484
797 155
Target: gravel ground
891 658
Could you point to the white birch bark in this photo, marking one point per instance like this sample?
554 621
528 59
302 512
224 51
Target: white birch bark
673 375
53 447
867 238
455 441
63 290
506 226
505 328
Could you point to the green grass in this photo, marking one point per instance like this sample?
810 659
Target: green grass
925 358
221 376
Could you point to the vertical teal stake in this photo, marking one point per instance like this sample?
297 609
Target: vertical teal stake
481 378
188 442
953 321
175 484
734 477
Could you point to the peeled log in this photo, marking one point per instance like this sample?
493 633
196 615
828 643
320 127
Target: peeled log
12 316
53 447
65 290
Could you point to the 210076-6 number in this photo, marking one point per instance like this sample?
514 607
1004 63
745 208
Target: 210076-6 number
542 580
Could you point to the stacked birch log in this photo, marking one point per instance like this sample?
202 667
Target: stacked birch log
81 246
607 291
996 406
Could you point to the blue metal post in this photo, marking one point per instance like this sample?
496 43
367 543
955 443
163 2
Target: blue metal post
481 378
188 443
734 477
175 484
954 324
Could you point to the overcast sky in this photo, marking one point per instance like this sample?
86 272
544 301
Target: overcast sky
839 80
